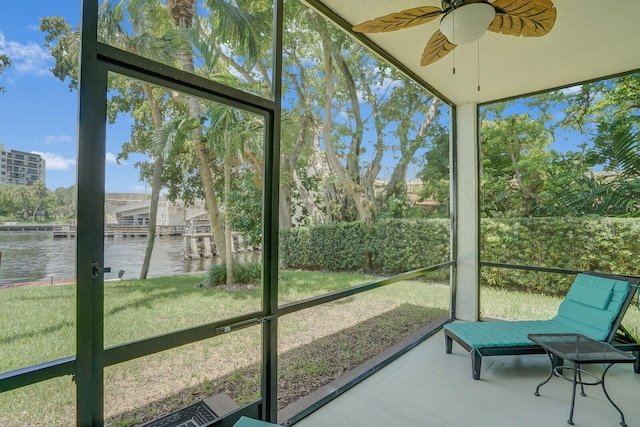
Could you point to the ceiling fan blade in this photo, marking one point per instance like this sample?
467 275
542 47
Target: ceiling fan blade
437 47
399 20
528 18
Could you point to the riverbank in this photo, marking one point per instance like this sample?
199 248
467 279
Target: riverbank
38 283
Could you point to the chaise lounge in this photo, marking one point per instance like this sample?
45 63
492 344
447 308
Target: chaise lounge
594 306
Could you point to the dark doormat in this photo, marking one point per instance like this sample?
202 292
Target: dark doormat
196 415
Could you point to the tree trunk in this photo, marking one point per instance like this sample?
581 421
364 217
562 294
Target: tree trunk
227 207
315 165
183 12
376 162
353 157
285 220
156 184
355 192
396 183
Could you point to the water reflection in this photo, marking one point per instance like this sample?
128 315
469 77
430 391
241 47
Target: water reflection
37 256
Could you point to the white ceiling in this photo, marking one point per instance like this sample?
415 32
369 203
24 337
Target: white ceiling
590 39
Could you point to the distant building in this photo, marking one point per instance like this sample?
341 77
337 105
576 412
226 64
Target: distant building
21 168
133 209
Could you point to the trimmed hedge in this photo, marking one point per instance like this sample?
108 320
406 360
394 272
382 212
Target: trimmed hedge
395 246
405 245
399 245
590 243
336 247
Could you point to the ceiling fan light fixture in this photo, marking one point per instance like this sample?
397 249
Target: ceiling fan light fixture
467 23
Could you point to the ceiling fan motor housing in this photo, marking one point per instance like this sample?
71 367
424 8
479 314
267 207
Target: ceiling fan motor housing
466 21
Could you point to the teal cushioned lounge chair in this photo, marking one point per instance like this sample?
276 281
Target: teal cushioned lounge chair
594 306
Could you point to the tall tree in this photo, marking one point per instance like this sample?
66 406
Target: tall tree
230 133
401 118
150 36
347 179
513 151
236 24
165 33
40 190
183 14
313 188
137 27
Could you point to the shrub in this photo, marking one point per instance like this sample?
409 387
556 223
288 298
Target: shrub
243 273
336 247
400 245
395 245
590 243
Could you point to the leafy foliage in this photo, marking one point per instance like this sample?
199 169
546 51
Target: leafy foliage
404 245
523 176
399 245
5 62
21 202
586 243
396 245
334 247
244 273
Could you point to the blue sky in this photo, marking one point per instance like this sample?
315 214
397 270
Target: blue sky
38 112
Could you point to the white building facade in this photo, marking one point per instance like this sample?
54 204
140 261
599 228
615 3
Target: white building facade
20 167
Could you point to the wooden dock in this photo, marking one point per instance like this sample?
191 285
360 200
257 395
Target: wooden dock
125 231
198 245
70 232
142 231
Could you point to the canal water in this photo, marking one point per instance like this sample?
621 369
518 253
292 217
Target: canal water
38 257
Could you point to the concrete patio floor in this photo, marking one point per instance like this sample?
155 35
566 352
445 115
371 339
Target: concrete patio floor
427 387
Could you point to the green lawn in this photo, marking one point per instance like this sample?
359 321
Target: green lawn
37 324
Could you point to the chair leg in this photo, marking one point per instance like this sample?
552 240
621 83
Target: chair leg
448 343
476 363
636 365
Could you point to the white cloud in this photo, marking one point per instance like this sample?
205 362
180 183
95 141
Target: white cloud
28 58
56 162
55 139
111 158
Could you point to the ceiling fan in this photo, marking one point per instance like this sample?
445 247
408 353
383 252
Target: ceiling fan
464 21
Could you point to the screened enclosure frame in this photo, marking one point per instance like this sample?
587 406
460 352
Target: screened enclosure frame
86 367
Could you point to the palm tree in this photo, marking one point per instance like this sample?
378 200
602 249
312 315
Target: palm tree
617 147
236 25
40 190
229 134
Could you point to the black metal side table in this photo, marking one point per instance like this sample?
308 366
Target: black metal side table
580 350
